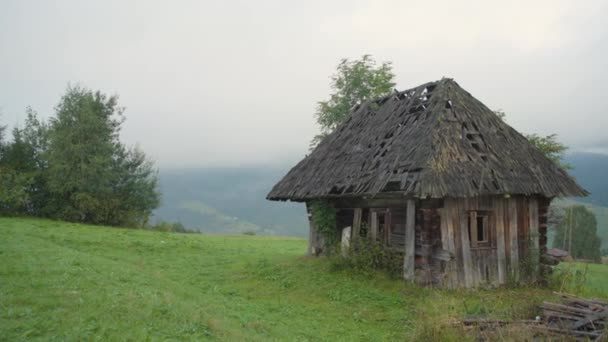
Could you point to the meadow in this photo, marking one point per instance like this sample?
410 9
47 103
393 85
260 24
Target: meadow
63 281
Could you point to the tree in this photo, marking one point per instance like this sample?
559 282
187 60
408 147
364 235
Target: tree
92 177
353 83
551 148
25 156
13 184
577 233
548 145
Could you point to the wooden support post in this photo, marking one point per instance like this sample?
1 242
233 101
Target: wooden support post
512 205
410 241
373 234
357 224
500 241
469 276
473 225
312 232
534 247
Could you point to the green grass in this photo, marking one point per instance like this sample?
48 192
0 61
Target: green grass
62 281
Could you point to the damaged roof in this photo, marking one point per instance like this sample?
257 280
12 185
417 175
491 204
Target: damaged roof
431 141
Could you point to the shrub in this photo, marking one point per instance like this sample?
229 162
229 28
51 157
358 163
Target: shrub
365 256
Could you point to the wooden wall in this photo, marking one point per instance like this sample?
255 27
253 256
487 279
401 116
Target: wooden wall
512 257
443 252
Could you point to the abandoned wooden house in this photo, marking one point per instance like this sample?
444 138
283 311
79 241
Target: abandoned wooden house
434 173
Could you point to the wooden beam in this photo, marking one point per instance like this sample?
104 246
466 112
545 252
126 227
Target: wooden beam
534 246
410 241
358 212
311 229
373 233
473 225
512 207
444 229
500 241
467 260
452 273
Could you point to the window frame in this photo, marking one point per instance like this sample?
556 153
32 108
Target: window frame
487 228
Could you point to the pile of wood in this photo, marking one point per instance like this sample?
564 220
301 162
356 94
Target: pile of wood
578 318
583 318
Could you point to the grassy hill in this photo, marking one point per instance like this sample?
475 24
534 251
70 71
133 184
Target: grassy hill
62 281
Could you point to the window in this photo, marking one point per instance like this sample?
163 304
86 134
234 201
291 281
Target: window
480 233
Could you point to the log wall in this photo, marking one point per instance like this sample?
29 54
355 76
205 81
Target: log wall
444 252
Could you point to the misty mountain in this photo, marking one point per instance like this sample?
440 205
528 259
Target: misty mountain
228 200
233 200
590 171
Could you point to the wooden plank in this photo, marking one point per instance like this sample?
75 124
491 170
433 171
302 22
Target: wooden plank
410 241
534 247
373 233
467 261
388 227
454 227
444 229
512 207
500 241
358 212
473 225
311 231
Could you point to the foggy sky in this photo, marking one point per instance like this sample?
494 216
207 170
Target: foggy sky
234 83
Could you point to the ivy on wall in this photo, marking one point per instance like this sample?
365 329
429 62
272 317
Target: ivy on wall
323 216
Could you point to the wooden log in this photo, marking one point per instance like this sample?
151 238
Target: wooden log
410 241
373 233
467 261
358 212
534 246
311 231
568 331
512 207
444 229
473 225
500 241
590 319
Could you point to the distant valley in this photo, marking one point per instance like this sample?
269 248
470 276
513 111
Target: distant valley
233 200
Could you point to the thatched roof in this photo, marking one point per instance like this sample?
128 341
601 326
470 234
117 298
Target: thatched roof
435 140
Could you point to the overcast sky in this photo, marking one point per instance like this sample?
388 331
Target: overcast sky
234 83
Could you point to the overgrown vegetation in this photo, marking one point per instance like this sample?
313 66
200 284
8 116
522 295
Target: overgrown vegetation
171 227
367 257
74 166
323 216
64 281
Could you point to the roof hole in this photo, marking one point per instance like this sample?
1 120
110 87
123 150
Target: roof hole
448 104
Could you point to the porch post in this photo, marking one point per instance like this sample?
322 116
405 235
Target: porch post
410 241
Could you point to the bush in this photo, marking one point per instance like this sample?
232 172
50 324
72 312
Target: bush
365 256
176 227
568 278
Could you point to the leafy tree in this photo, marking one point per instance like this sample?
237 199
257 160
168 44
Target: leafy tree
354 82
25 156
13 184
135 185
548 145
577 233
551 148
92 177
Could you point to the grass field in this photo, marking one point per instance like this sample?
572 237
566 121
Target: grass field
62 281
